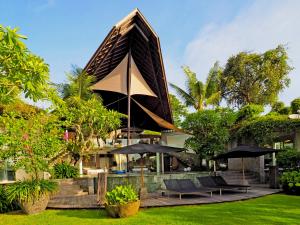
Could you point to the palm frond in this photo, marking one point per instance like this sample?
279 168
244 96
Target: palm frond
188 99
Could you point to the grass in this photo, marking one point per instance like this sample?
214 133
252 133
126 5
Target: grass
273 209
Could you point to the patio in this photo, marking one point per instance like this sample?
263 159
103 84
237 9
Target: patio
157 200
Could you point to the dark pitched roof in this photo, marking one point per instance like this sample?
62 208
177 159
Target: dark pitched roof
135 33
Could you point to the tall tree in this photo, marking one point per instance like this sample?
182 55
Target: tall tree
20 70
251 78
210 131
198 94
179 110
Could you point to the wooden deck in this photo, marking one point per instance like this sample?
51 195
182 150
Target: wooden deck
157 200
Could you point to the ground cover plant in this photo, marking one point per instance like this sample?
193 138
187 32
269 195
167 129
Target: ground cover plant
273 209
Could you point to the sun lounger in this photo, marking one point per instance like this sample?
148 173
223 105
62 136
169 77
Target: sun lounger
220 183
185 187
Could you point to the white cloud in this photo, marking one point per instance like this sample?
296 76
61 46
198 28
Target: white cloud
262 26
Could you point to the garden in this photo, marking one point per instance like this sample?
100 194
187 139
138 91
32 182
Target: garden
33 140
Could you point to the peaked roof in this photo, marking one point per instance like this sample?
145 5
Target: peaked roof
134 33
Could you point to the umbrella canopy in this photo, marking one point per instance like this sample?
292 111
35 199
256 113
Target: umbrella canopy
145 148
245 151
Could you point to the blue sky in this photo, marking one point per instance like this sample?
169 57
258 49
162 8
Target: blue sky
192 32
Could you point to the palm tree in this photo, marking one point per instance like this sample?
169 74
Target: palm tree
78 85
199 94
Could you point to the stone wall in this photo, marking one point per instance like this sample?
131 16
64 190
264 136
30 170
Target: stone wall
153 182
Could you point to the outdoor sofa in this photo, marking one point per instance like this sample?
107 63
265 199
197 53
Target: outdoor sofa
186 187
219 183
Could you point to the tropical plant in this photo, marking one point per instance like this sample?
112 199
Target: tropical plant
121 195
198 94
30 142
210 131
20 70
179 110
30 190
78 85
250 78
5 205
65 170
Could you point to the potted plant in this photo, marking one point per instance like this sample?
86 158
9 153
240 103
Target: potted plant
32 195
31 143
122 201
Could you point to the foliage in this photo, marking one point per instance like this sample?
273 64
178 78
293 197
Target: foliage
210 130
30 142
288 158
295 105
20 70
65 170
83 112
121 195
19 108
199 94
249 111
291 182
251 78
5 205
265 129
179 110
280 108
30 190
78 86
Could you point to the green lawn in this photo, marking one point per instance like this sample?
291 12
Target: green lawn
273 209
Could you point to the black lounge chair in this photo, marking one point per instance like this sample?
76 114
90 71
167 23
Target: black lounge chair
220 183
185 187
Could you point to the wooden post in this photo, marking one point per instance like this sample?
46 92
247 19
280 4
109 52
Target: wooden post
102 188
128 102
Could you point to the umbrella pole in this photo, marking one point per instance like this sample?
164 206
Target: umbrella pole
243 171
128 102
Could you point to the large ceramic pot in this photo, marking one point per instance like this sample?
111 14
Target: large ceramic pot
120 211
36 206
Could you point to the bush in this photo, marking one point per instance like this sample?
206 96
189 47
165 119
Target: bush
295 105
5 205
288 158
65 170
291 182
30 190
121 195
249 111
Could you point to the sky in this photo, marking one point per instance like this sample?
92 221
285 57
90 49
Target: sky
192 32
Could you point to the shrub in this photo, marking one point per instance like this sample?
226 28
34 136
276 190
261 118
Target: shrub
288 158
291 182
30 190
295 105
121 195
249 111
5 205
65 170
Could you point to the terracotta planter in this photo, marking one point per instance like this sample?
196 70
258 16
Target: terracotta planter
32 207
121 211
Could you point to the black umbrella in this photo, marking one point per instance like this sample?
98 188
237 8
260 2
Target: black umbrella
145 148
245 151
